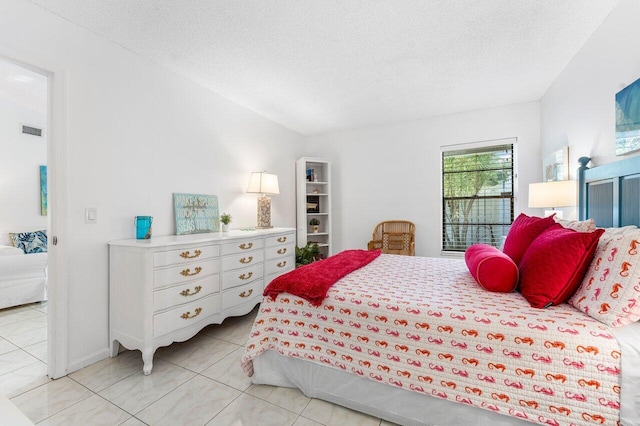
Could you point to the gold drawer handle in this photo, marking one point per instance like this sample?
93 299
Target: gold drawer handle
282 239
245 260
187 315
246 293
186 255
187 272
187 292
282 251
245 276
282 264
245 246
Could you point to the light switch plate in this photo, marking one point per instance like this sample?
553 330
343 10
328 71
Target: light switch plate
91 215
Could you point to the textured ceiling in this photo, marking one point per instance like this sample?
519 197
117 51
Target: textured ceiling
320 66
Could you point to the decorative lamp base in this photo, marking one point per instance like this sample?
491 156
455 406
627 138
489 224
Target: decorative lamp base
264 212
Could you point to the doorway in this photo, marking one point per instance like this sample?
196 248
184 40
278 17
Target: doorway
40 91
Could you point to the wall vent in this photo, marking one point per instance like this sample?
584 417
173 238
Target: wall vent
29 130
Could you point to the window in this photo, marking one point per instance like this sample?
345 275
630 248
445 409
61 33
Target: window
477 196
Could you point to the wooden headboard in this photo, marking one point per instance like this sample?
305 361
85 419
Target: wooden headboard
610 194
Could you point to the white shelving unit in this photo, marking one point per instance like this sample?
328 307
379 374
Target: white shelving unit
313 200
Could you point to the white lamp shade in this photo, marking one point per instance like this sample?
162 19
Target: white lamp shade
263 183
552 194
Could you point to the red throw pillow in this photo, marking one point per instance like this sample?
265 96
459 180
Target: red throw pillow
552 268
492 269
523 231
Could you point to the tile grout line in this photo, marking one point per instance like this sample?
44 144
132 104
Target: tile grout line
65 408
36 360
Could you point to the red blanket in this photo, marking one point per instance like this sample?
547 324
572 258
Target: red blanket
312 281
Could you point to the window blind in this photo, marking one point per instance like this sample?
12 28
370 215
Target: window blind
477 196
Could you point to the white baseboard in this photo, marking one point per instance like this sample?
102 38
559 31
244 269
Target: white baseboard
88 360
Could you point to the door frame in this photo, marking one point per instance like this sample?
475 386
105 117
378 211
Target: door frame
57 281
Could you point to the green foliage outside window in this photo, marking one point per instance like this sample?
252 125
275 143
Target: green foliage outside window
477 194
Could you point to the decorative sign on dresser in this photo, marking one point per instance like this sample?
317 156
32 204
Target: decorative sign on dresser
166 289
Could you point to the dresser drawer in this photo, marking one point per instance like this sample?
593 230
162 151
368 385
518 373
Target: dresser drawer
184 273
277 252
269 278
242 246
243 294
279 266
242 276
242 260
185 255
190 292
185 315
281 240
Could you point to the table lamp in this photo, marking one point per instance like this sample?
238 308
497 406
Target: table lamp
263 183
552 194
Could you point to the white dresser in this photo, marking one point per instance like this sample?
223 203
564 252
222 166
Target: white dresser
166 289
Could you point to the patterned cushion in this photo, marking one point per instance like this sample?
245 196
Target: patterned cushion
577 225
492 269
610 290
552 268
523 231
30 242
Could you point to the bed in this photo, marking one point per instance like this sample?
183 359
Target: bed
23 276
419 341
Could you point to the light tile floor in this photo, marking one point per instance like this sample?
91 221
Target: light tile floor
197 382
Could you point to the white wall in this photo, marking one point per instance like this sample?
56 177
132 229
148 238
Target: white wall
393 172
578 110
20 160
136 133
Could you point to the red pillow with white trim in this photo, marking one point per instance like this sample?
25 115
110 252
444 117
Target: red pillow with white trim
491 268
553 266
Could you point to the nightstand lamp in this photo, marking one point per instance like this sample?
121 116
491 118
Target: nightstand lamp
263 183
553 194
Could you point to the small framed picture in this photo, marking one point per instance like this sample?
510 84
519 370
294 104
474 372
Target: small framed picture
313 204
555 166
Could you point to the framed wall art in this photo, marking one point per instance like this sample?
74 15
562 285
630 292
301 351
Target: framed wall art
196 213
43 191
555 166
628 119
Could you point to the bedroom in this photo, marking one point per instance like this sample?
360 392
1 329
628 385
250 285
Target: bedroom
23 105
132 129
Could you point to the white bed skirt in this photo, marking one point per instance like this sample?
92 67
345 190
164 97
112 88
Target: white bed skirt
21 292
23 279
628 336
386 402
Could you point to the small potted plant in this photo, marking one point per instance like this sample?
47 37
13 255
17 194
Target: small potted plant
307 254
315 225
225 219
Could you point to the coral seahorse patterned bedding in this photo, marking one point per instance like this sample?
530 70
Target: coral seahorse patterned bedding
425 325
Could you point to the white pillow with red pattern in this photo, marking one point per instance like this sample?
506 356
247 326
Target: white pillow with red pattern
577 225
610 290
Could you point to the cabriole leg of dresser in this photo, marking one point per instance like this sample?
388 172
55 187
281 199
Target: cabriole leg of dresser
147 358
114 348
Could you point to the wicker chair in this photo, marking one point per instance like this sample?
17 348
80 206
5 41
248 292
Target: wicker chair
394 237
